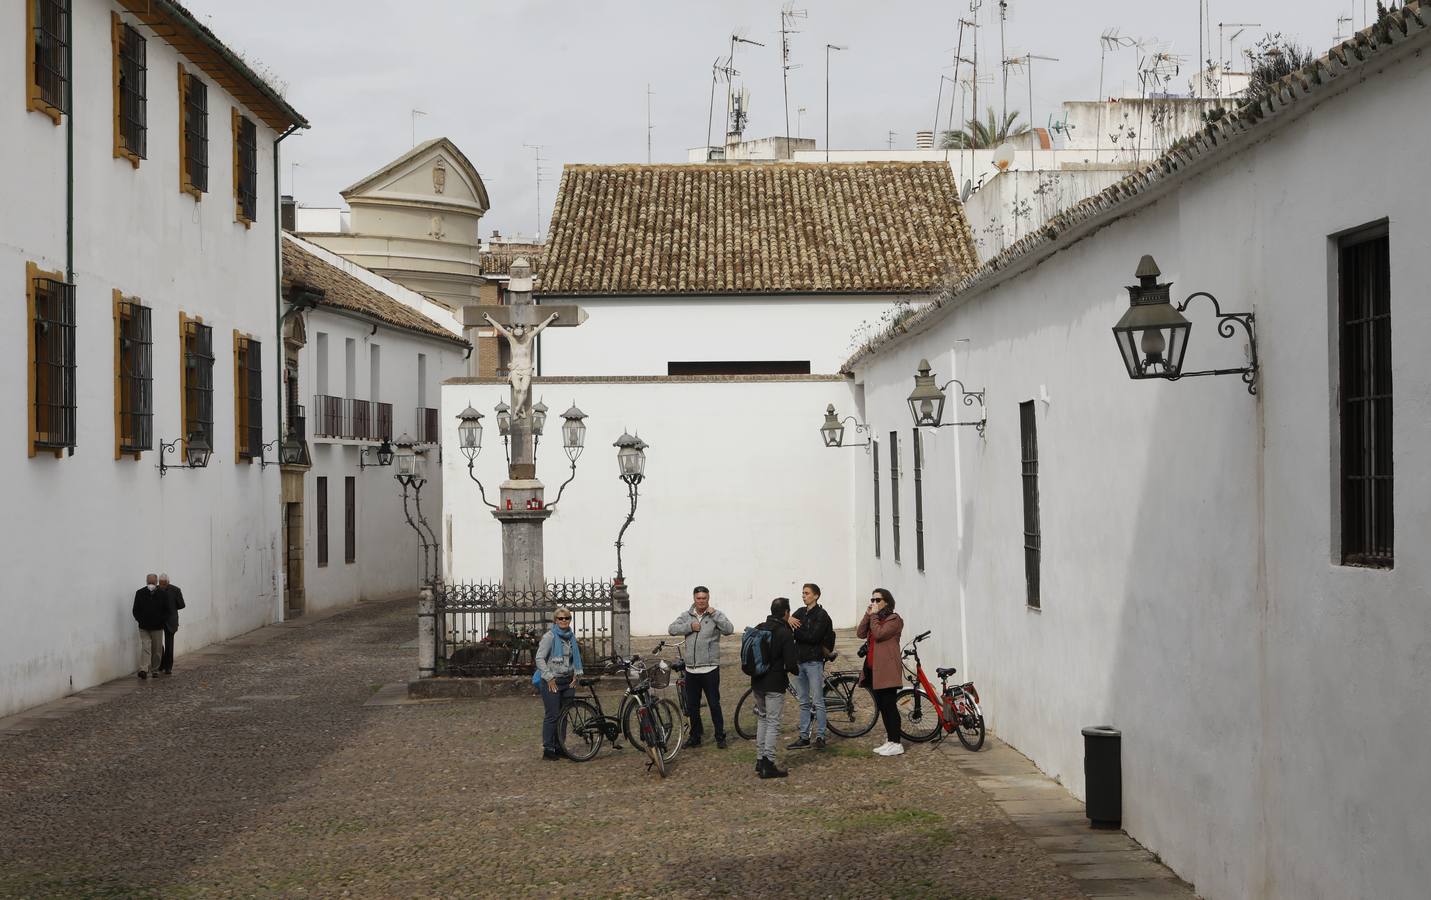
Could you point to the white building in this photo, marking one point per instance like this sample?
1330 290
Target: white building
1235 581
368 359
138 247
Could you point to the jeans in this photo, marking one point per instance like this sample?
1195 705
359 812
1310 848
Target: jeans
810 688
551 701
709 684
151 649
768 707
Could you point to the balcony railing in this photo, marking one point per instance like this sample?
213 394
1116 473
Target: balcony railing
328 416
358 420
427 430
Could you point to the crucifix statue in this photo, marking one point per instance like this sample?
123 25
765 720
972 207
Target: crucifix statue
519 342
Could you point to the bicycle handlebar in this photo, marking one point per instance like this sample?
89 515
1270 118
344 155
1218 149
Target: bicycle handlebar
921 637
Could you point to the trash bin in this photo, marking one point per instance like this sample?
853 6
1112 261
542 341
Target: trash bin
1103 775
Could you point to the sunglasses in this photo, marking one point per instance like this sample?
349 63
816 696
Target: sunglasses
563 618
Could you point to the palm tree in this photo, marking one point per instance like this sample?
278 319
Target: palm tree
978 135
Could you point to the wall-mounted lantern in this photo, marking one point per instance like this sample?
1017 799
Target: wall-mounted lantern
382 455
926 401
1152 335
196 454
833 431
409 462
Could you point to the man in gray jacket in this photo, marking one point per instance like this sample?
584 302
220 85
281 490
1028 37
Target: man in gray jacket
702 626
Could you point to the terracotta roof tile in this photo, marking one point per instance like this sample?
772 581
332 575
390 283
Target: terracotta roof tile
756 228
498 260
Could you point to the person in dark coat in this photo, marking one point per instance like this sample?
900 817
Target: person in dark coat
768 689
814 634
151 612
884 670
176 596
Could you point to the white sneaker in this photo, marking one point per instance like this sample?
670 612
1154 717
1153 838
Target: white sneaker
894 750
883 749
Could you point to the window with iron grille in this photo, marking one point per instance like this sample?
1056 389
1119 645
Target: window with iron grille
245 169
248 397
918 443
894 492
1365 399
131 88
198 380
321 500
1033 541
52 362
874 450
133 377
350 519
49 89
193 134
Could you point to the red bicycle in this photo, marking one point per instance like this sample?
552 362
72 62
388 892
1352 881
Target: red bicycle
925 715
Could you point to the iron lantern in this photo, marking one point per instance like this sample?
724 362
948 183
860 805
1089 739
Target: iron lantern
631 458
197 451
573 432
408 467
1152 336
539 418
469 432
383 452
926 401
504 418
291 453
832 431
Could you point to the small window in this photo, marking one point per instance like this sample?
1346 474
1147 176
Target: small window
133 377
131 76
245 170
198 380
739 367
350 519
1364 399
894 491
193 134
1033 540
49 46
51 302
321 500
918 444
248 398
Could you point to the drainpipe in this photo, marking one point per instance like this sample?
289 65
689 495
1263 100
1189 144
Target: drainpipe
69 159
278 280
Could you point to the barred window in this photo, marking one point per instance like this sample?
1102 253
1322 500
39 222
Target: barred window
321 501
894 491
198 380
350 519
1365 399
245 169
918 444
49 47
193 134
131 79
133 377
874 450
248 397
51 302
1033 540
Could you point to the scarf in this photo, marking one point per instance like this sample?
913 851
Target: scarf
561 634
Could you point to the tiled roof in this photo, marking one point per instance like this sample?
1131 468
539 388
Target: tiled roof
343 291
1235 131
756 228
499 259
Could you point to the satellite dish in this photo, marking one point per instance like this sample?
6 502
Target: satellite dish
1004 156
967 190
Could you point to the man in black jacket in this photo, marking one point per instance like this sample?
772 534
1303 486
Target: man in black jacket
151 611
176 598
769 688
814 637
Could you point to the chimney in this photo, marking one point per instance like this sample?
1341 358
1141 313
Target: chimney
288 213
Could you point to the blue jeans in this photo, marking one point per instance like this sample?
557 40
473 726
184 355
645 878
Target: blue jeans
551 701
810 688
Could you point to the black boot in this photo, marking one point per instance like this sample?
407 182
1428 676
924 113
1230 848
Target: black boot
772 770
760 766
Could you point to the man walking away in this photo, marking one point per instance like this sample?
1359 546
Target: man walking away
151 611
814 637
702 627
176 600
769 686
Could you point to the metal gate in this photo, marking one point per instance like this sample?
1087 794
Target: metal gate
484 630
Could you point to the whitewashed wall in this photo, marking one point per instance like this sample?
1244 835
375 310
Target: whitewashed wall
83 530
1271 700
740 493
639 335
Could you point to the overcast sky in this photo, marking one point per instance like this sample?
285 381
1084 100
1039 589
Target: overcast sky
572 75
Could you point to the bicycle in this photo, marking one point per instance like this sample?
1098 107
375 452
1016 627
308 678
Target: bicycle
649 724
850 709
925 715
679 667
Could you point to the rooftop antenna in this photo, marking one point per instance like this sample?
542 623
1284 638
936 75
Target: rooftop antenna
1155 71
1232 41
537 152
1342 34
828 48
799 120
1028 59
649 127
890 139
1004 53
939 101
716 70
788 17
415 114
1110 40
735 38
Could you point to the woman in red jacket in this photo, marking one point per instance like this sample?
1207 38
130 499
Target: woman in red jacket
883 673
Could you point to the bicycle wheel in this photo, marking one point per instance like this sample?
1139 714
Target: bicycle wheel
971 722
745 715
579 731
668 716
657 760
918 718
850 709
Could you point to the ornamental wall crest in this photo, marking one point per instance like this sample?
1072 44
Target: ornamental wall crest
439 176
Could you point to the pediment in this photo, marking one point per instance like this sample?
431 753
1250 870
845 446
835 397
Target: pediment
434 173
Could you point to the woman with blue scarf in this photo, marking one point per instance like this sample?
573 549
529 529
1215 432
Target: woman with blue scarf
558 663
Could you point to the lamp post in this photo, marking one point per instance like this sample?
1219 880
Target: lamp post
1152 335
573 439
196 454
926 401
410 474
504 428
539 421
833 431
469 439
382 452
631 466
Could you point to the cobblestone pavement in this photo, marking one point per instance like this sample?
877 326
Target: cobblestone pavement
257 770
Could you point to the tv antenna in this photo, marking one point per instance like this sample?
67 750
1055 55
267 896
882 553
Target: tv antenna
789 15
736 38
1026 61
1003 52
537 153
1109 40
649 126
889 139
799 120
1343 29
1231 41
415 114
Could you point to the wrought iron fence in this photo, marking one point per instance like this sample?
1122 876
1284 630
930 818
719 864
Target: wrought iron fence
484 630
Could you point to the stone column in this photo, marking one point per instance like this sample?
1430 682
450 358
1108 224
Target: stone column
620 619
426 634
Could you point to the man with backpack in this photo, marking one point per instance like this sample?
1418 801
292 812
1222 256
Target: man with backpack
702 627
767 655
814 634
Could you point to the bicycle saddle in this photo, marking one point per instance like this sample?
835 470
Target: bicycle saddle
585 682
945 673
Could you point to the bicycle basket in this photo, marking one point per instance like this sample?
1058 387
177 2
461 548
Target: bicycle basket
659 674
637 675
